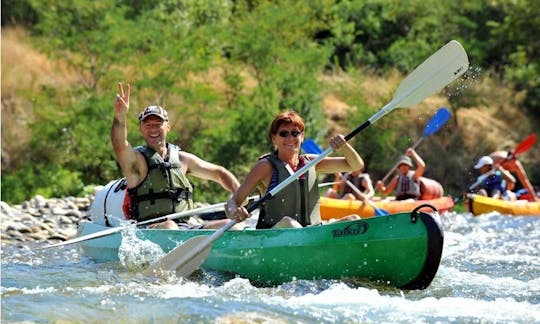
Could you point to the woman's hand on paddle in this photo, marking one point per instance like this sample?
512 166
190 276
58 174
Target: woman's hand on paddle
121 101
233 211
338 142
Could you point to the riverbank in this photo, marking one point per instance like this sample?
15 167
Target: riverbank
55 219
41 219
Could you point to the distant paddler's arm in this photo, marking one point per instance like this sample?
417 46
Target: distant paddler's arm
506 174
420 164
366 183
389 188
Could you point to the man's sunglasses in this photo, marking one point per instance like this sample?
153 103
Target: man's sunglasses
285 133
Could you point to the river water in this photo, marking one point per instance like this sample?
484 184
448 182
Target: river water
489 273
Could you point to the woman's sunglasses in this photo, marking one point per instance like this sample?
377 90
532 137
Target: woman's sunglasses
286 134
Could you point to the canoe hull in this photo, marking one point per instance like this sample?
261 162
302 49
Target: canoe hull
337 208
479 205
400 250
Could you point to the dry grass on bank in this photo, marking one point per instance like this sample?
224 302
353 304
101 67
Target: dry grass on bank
494 122
23 70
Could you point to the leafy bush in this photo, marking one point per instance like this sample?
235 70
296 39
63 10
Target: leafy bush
224 68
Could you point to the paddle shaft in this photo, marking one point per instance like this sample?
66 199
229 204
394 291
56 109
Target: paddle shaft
113 230
437 71
441 68
434 124
360 194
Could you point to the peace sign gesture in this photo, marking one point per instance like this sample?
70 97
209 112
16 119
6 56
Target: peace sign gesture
121 102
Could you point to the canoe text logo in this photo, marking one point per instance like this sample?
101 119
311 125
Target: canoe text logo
353 229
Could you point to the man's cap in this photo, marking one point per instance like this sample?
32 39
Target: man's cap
154 110
484 160
405 160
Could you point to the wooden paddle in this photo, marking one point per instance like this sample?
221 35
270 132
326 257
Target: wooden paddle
523 146
113 230
437 71
434 124
310 146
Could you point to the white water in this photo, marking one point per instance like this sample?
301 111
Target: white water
489 273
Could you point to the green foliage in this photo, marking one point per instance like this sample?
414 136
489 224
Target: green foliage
522 60
224 68
46 180
271 40
18 12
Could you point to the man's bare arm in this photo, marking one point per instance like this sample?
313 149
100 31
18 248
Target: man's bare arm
125 155
209 171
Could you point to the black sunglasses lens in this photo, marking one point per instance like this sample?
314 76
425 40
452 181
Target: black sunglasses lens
287 133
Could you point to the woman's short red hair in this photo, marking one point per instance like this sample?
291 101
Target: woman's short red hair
286 117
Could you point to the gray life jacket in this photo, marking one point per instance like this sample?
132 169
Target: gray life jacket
407 187
299 200
164 190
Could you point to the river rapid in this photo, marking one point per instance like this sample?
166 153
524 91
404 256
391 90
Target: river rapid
489 273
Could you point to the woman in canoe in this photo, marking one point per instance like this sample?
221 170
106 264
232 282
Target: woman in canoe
297 205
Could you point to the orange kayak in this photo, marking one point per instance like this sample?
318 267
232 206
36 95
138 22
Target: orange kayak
337 208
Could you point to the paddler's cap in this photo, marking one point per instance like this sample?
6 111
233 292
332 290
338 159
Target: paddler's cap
154 110
484 160
405 160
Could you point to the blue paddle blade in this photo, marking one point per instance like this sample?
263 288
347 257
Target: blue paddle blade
437 121
380 212
311 147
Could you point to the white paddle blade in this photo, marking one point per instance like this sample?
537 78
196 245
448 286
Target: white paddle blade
441 68
184 259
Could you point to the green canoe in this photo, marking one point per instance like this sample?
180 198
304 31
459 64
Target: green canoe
401 250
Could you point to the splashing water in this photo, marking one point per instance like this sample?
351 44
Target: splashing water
489 273
464 82
136 254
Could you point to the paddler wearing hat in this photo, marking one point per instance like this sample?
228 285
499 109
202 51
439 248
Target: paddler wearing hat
406 182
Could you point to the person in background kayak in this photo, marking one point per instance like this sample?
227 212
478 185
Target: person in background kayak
499 184
156 172
514 166
407 181
361 180
297 205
